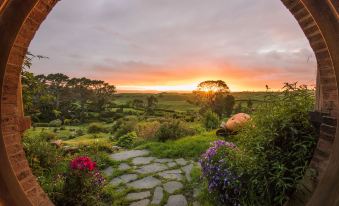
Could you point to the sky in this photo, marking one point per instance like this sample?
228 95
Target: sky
172 45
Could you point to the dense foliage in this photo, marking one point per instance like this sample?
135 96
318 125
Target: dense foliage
56 96
83 182
275 148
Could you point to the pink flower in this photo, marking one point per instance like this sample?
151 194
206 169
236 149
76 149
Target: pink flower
83 163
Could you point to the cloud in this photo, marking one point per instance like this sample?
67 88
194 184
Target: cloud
163 41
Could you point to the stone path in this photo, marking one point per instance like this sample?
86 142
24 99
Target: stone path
150 180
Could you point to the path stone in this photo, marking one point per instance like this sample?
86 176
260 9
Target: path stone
172 186
171 164
129 154
157 196
163 160
145 183
124 166
188 169
144 202
152 168
124 179
142 160
137 195
176 200
108 171
181 161
172 175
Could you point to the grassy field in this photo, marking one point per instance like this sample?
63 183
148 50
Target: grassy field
179 101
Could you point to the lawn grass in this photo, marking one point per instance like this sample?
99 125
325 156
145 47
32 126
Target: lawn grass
187 147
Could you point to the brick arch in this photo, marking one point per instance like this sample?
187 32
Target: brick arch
20 19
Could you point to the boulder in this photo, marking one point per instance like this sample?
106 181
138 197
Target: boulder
236 122
57 143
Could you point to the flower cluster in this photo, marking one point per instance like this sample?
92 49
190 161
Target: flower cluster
221 180
83 163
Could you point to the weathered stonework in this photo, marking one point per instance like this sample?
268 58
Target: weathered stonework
19 21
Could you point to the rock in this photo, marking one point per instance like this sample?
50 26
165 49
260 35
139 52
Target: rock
176 200
144 202
108 171
171 164
188 169
163 160
124 179
70 149
172 186
181 161
57 143
172 175
145 183
152 168
237 121
142 160
129 154
124 166
157 196
116 148
137 196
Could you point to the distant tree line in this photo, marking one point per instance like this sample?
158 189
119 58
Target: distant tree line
57 96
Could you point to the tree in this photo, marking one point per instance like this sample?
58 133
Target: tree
223 105
138 103
214 95
207 91
57 83
152 102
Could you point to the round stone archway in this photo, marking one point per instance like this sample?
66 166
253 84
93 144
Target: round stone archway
20 19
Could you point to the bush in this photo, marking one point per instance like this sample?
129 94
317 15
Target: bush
127 140
276 146
83 182
147 130
75 122
40 124
173 129
67 122
79 132
211 120
55 123
222 180
40 153
124 126
47 135
96 128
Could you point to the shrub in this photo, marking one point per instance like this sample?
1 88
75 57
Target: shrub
124 126
67 122
40 124
83 182
96 128
40 153
75 122
222 180
276 146
173 129
55 123
47 135
211 120
127 140
79 132
147 130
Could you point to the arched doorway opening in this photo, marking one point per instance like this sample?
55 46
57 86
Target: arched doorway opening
20 21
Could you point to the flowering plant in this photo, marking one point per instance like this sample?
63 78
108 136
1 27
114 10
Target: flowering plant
222 179
83 163
83 182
